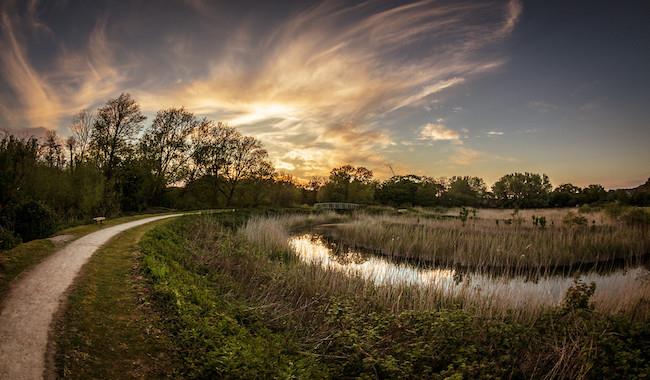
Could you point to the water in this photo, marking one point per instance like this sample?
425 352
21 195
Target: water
617 289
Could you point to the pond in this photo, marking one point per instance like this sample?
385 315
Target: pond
615 289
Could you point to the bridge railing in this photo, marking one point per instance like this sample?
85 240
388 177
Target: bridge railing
336 206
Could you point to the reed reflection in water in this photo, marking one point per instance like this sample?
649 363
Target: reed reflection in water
615 291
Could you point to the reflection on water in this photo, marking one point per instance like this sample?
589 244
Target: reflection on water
626 285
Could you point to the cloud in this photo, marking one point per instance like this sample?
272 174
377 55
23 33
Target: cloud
465 156
495 133
315 84
439 132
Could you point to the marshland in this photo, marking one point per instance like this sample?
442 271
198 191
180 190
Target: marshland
282 284
324 189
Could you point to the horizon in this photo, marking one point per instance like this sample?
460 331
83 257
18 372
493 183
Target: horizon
429 88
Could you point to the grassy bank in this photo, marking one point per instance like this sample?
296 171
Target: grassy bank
239 309
24 256
109 329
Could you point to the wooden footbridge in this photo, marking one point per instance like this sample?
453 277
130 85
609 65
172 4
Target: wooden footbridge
337 206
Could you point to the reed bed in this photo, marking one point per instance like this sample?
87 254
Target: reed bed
486 294
483 244
272 232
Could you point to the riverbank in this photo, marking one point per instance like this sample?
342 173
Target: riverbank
238 308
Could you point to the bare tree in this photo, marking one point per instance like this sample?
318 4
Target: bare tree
52 150
249 160
222 152
213 146
114 131
81 128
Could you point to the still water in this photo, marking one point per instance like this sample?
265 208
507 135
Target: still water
616 289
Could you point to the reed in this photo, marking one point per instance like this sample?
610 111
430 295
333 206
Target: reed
482 243
473 245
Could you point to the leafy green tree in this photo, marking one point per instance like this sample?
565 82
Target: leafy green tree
348 184
409 190
523 190
465 191
565 195
593 194
165 147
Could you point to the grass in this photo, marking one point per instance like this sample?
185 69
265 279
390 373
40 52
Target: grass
484 244
239 309
109 329
24 256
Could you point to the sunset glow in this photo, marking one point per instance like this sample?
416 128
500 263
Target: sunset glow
437 88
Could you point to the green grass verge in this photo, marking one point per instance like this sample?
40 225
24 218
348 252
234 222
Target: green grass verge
24 256
108 329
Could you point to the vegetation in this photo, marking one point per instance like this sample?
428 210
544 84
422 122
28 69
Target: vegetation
113 163
109 328
238 309
481 243
22 257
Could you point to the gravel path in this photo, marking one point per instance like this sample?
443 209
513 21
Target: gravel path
34 298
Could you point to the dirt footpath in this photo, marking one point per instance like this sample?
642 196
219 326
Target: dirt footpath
34 298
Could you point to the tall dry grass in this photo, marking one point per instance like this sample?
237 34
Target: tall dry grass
521 297
272 232
481 243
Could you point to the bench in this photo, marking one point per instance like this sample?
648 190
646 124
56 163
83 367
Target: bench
99 219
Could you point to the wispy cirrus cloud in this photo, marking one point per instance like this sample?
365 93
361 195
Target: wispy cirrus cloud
316 83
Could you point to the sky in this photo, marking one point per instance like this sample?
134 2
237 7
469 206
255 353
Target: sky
435 88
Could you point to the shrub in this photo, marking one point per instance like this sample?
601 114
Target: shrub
571 219
614 210
578 296
34 220
7 239
636 217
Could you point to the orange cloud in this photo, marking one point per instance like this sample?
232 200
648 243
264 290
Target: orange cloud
315 88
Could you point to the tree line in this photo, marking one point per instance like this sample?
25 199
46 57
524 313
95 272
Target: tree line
515 190
113 163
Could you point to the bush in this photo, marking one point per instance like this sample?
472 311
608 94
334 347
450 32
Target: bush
571 219
7 239
34 220
636 217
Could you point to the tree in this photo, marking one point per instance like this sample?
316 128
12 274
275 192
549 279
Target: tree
593 194
348 184
81 129
71 144
311 189
465 191
522 190
248 161
565 195
223 153
52 150
114 130
165 146
212 154
409 190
